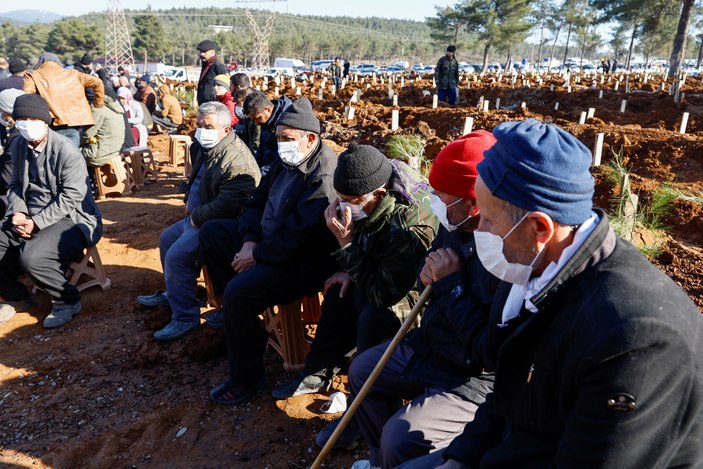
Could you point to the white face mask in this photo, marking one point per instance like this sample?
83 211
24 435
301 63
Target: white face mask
489 248
208 138
239 113
289 153
32 130
357 210
439 208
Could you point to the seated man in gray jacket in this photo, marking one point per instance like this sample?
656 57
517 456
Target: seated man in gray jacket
224 175
51 215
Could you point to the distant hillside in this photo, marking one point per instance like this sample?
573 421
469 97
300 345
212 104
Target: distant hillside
299 36
29 16
171 36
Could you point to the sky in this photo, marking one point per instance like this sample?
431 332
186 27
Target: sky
414 9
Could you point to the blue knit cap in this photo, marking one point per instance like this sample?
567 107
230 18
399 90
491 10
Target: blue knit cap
540 167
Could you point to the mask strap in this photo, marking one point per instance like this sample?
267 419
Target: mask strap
515 226
464 221
455 202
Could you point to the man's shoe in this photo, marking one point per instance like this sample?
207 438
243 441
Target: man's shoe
61 313
302 384
231 394
160 298
348 436
216 319
174 330
9 308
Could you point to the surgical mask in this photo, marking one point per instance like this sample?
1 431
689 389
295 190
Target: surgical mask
239 113
208 138
489 248
439 208
289 153
357 210
6 123
32 130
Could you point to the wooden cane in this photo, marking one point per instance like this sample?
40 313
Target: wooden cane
372 377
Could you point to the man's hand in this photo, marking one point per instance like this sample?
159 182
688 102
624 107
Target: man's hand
22 225
244 259
439 264
339 278
341 227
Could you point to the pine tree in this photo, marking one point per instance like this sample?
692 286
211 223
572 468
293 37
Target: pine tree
677 52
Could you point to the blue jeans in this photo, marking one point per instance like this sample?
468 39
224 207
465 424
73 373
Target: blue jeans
71 133
178 246
448 94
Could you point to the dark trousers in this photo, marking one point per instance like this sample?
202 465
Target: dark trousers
448 94
45 257
347 323
247 294
395 432
164 122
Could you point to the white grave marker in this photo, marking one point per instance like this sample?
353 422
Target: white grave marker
468 125
598 150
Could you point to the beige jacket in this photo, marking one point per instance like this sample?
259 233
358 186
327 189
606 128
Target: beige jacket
64 90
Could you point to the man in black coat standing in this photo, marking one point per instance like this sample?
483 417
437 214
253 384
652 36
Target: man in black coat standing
210 69
598 355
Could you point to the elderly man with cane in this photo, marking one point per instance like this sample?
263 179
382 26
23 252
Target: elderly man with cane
601 357
437 367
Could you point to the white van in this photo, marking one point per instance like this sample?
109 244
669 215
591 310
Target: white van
288 63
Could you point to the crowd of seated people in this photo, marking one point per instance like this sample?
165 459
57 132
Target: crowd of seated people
546 339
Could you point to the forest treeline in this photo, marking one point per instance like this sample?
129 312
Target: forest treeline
483 30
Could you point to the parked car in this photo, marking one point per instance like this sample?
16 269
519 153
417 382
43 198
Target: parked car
321 64
394 69
364 69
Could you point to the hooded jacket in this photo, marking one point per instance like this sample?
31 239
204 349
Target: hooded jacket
267 153
108 134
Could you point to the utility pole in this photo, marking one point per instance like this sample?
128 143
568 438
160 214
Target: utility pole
118 43
261 54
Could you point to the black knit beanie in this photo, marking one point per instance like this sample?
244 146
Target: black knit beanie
86 59
17 65
32 106
361 170
300 115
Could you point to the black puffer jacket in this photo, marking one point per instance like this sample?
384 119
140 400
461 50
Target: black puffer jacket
457 313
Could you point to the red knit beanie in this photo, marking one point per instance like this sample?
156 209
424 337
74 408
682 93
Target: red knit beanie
454 169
